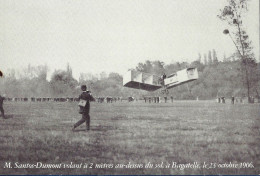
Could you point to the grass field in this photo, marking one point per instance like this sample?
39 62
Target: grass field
182 132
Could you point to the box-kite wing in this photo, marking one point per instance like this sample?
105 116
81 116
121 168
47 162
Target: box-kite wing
181 77
140 80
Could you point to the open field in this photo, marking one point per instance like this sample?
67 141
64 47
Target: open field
182 132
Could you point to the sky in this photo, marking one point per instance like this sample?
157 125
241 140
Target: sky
114 35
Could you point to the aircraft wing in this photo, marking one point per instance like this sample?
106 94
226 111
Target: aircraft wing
181 77
140 80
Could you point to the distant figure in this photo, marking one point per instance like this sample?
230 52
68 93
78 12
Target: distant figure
172 99
223 99
232 99
130 99
155 99
85 99
165 99
1 105
252 99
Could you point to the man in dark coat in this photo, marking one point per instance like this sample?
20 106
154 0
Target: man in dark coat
233 100
85 95
1 106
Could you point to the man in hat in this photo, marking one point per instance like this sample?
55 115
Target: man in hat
84 110
1 105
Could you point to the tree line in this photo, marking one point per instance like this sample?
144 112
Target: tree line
216 79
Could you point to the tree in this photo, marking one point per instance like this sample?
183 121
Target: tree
146 67
158 67
210 58
215 58
233 14
115 76
62 83
224 58
205 60
83 77
199 59
69 70
197 65
103 75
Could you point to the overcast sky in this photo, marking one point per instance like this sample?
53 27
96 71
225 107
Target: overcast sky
113 35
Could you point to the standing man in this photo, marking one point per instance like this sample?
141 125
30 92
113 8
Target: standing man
1 105
164 76
86 98
223 99
165 99
232 99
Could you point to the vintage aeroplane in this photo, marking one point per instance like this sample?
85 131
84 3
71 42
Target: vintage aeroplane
150 82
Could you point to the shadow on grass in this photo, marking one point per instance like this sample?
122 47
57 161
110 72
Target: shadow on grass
79 130
95 128
103 129
9 116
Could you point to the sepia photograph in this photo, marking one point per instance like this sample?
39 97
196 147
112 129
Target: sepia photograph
129 87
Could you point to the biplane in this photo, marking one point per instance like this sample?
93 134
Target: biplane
150 82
